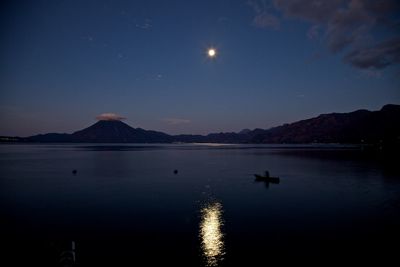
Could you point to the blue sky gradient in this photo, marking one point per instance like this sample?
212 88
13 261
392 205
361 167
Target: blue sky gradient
65 62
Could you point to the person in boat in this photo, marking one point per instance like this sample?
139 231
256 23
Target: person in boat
266 174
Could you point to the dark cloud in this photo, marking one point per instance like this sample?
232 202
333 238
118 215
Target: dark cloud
315 11
381 6
347 26
377 57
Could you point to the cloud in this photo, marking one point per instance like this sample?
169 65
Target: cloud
376 74
146 24
313 32
364 31
109 117
378 56
264 17
175 121
311 10
265 20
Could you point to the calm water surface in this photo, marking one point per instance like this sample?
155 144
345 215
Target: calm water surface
126 207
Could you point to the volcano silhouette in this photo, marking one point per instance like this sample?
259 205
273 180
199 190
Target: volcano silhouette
106 131
112 131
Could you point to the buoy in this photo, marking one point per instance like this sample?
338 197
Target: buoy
74 172
175 171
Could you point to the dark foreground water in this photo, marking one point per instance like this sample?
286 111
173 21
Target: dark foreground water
126 207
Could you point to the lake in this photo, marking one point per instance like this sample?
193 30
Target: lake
125 206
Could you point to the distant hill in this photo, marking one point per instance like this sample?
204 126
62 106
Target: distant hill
361 126
106 131
117 131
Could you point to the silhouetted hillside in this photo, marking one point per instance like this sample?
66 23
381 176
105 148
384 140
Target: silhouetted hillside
106 131
50 138
115 131
361 126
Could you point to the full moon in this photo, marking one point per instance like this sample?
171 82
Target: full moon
212 52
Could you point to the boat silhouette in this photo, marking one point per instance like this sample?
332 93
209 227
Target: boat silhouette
267 178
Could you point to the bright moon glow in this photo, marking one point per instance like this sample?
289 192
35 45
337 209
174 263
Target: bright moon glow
212 52
211 235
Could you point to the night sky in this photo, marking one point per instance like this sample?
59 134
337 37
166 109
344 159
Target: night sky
65 62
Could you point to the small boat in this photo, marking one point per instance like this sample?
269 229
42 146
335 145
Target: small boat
267 178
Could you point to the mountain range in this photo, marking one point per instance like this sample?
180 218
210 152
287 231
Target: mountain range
361 126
